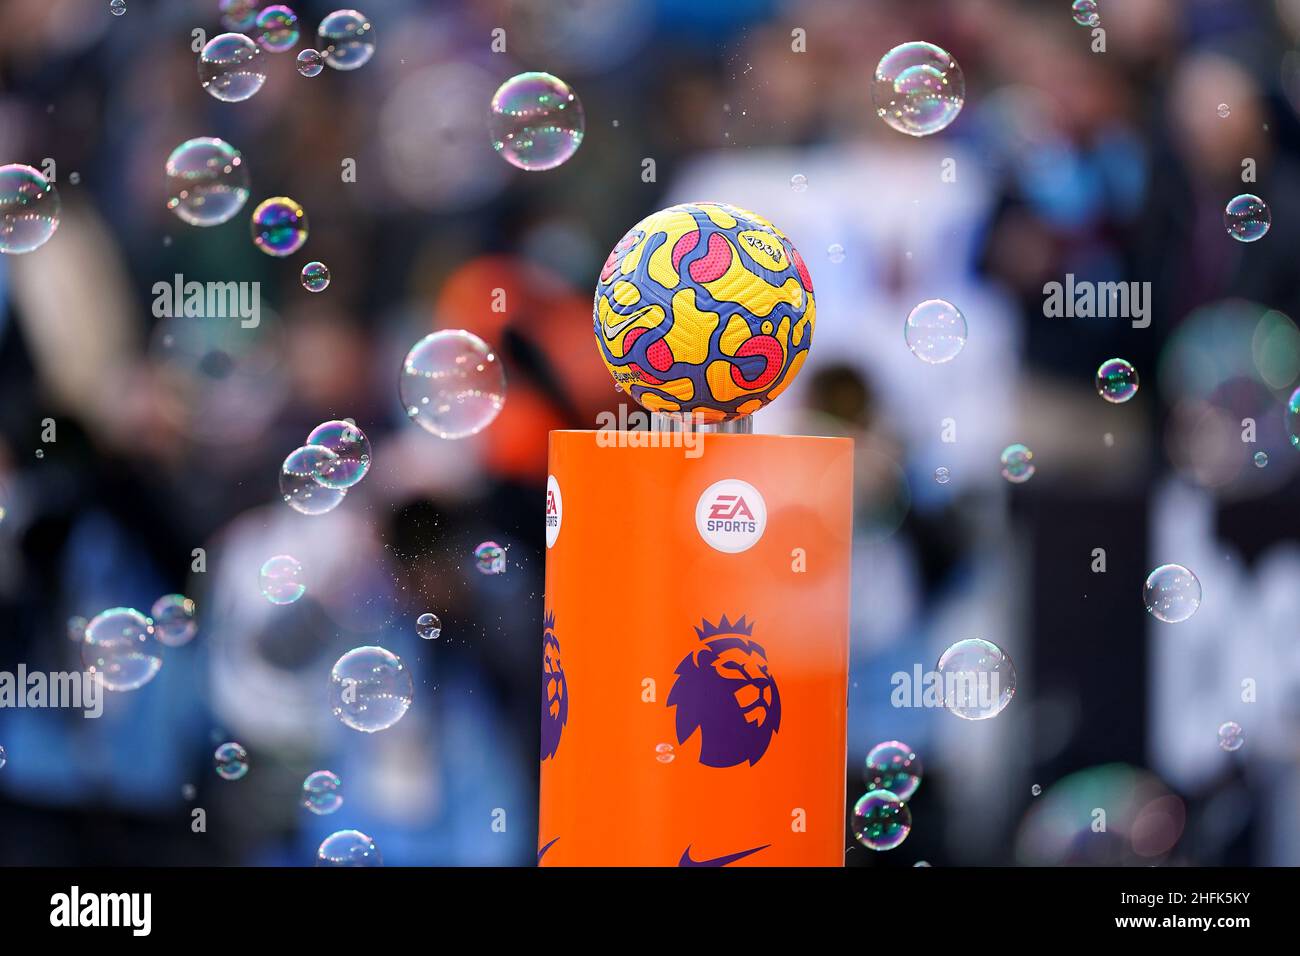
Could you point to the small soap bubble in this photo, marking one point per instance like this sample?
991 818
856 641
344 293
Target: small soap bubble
664 753
536 121
1224 110
349 458
1261 459
117 7
979 679
300 484
918 88
1017 464
207 181
452 384
29 209
881 821
321 792
1116 380
893 766
1231 736
370 689
490 558
348 848
941 475
1085 13
935 331
315 276
799 183
121 647
346 38
276 29
835 253
74 177
920 863
40 454
238 14
279 226
1036 790
428 626
311 62
281 579
1171 593
174 619
1293 418
1247 218
230 67
230 761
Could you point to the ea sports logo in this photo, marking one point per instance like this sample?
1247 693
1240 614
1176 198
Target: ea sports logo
554 510
731 516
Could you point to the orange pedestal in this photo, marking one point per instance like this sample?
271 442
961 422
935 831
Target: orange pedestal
695 651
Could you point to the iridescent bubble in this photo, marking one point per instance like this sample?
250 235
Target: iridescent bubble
279 226
370 689
1117 381
238 14
350 460
536 121
29 209
1224 111
1231 736
230 67
1293 418
315 276
1261 459
893 766
276 28
941 475
428 626
490 558
918 88
935 331
346 38
979 679
311 62
1017 464
230 761
121 647
281 579
1247 218
452 384
1036 790
1171 593
835 253
664 753
174 619
799 183
117 7
348 848
1085 13
4 758
301 488
321 792
881 821
207 181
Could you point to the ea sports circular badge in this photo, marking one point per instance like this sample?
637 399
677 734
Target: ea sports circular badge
554 510
731 515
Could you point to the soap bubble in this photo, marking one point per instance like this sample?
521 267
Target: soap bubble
1036 790
1293 418
279 226
315 276
370 689
799 183
1017 464
935 331
29 209
320 792
664 753
117 7
941 475
536 121
346 38
893 766
238 14
1224 110
490 558
230 67
230 761
276 29
1117 381
281 579
428 626
350 458
121 647
452 384
311 62
1261 459
174 621
979 679
348 848
918 88
1085 13
1247 218
881 821
1171 593
1231 736
207 181
300 485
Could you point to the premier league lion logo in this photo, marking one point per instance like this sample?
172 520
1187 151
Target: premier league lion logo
555 692
724 690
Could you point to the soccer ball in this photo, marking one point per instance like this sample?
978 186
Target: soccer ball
705 310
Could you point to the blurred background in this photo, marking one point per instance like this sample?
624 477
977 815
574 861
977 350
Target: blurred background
1066 160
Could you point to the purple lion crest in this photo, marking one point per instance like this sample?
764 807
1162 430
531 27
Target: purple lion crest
724 690
555 690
